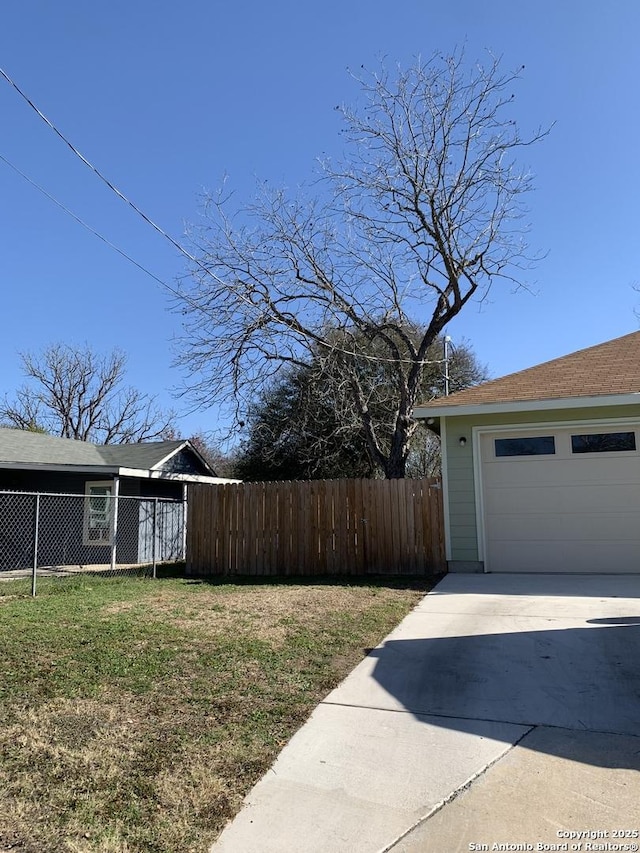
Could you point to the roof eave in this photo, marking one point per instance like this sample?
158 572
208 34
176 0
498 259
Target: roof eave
145 474
462 409
61 466
117 471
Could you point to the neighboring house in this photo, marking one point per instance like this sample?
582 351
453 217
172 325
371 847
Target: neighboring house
81 530
541 469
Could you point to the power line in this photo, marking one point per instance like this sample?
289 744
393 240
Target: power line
150 222
83 223
97 172
174 291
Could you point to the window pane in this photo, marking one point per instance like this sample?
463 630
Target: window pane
98 511
99 497
100 490
603 442
539 445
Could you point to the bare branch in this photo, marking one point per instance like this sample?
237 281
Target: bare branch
424 214
76 393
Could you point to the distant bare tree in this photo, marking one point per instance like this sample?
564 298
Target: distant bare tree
423 214
73 392
224 464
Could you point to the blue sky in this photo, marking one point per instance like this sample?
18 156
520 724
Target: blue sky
166 98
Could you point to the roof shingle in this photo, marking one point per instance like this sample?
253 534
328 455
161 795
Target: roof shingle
609 368
20 446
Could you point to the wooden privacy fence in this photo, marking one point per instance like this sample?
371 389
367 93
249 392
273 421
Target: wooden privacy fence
332 527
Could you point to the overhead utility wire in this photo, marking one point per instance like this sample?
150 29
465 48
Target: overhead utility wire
83 223
91 230
173 290
93 168
144 216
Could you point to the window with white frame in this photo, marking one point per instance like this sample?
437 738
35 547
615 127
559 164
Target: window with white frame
98 513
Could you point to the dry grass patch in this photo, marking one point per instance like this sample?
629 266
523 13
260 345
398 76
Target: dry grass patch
135 715
268 613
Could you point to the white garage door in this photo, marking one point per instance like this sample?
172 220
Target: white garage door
561 500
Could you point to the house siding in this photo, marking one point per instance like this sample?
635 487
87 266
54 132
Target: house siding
151 488
70 483
53 482
460 463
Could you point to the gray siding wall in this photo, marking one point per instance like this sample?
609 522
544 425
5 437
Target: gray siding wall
460 476
63 482
151 488
53 482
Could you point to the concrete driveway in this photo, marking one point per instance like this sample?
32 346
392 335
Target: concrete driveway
504 710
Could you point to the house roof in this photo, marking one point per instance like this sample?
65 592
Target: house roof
608 370
32 449
142 455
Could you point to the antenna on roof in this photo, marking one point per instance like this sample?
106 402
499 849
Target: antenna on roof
447 341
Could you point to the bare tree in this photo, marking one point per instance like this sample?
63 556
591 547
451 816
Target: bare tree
422 215
223 463
73 392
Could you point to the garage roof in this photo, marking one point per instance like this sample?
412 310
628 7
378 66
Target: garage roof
608 370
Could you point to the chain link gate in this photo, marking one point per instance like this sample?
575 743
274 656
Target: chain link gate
58 535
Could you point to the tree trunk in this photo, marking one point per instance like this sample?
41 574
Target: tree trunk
396 462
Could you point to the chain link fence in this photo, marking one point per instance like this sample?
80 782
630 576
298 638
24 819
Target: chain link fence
57 535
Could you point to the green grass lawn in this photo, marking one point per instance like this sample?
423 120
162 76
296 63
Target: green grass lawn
136 714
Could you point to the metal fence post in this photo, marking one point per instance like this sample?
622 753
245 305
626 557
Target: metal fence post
155 533
114 529
35 546
62 534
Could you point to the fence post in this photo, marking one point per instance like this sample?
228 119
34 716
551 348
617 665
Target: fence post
114 529
155 533
35 546
184 520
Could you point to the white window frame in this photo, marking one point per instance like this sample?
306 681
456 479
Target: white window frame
107 529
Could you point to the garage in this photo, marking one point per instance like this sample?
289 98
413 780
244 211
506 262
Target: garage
561 500
541 468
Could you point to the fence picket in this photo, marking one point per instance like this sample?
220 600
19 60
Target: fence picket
314 528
